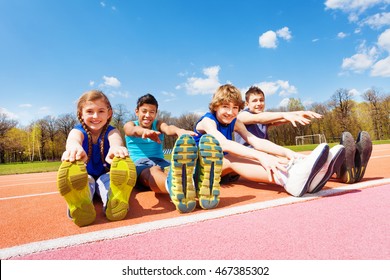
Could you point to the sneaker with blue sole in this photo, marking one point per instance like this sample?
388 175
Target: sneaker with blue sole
335 159
301 173
180 182
363 154
123 177
209 171
72 183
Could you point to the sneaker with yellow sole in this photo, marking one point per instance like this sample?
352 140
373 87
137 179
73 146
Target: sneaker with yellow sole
72 183
180 182
209 171
123 177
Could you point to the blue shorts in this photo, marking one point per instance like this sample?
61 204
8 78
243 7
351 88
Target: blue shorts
144 163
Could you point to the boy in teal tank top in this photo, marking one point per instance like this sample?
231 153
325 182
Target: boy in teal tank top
144 140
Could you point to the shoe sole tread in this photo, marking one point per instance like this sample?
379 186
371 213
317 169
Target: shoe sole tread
72 183
210 169
123 177
182 190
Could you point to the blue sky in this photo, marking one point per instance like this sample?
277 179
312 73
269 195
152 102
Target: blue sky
182 50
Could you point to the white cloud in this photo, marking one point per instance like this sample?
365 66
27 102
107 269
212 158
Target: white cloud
208 85
353 17
91 83
353 6
381 68
354 92
368 58
269 39
284 33
341 35
377 21
280 87
284 102
357 63
362 60
375 58
384 40
111 82
286 89
9 114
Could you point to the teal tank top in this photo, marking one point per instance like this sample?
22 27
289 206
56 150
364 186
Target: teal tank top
144 148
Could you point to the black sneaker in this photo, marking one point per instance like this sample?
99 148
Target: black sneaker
363 154
347 172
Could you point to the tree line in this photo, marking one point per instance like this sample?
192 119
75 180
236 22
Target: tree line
45 138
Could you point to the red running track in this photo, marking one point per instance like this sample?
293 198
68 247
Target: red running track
253 221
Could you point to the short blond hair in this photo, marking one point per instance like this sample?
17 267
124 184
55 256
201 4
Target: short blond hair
225 94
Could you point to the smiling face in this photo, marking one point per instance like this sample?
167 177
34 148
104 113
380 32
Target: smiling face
256 103
146 114
227 112
95 115
226 103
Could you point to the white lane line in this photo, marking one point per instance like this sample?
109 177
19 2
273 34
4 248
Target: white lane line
377 157
108 234
28 184
27 195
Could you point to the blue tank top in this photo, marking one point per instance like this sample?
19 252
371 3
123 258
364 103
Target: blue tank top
95 166
257 129
144 148
226 130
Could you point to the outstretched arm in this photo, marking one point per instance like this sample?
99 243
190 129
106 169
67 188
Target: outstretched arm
117 149
270 163
138 131
174 130
273 118
263 145
74 149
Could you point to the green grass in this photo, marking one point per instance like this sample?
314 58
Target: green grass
378 142
46 166
29 167
309 147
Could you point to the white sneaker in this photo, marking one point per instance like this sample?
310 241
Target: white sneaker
334 161
302 172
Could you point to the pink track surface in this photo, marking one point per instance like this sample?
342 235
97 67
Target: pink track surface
352 225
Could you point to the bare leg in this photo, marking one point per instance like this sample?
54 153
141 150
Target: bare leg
246 168
154 178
